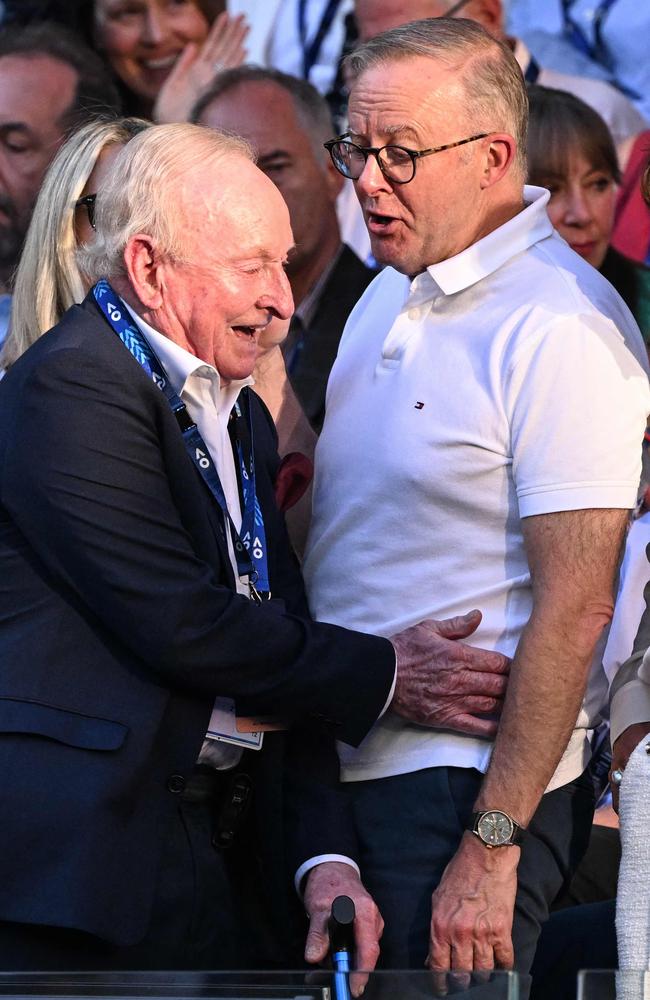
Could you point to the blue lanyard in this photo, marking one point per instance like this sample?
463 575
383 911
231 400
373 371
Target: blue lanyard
577 35
533 71
311 52
250 547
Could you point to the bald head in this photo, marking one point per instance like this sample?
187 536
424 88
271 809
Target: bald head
376 16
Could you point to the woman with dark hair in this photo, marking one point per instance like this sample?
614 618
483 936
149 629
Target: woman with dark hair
163 53
571 152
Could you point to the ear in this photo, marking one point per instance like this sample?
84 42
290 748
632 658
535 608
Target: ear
334 181
144 269
499 159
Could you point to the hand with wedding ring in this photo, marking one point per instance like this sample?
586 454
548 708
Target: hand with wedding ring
197 67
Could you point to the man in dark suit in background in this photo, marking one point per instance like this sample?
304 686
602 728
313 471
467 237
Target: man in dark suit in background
287 121
139 544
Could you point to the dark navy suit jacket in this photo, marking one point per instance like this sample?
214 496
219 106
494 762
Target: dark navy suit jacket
118 626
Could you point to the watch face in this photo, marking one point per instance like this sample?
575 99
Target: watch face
495 828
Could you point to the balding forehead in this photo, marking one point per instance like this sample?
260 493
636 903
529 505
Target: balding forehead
233 186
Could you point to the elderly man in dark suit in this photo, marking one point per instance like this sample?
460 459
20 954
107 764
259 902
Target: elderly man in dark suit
140 546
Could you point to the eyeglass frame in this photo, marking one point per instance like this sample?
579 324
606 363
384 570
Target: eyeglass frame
454 10
88 202
414 154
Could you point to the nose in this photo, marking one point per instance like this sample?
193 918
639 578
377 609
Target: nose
371 179
577 211
278 298
155 27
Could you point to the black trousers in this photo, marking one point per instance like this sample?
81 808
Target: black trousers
199 917
410 826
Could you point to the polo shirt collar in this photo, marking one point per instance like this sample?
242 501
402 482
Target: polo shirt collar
488 254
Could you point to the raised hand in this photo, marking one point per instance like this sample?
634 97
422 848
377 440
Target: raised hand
447 684
197 67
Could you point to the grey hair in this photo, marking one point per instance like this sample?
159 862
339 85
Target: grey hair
493 84
145 192
311 107
48 280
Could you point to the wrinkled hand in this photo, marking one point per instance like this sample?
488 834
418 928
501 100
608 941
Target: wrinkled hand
197 67
472 909
447 684
623 747
324 883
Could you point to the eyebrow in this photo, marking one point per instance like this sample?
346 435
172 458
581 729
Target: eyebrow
263 255
16 127
405 130
274 155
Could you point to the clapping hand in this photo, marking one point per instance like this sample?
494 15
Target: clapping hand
197 67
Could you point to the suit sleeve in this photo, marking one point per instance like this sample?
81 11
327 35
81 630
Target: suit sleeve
85 481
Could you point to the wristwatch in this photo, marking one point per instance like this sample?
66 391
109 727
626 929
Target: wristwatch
495 828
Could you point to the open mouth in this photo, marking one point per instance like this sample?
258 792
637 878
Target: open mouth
381 224
160 65
246 331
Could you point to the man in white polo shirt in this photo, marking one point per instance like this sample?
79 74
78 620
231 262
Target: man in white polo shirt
481 450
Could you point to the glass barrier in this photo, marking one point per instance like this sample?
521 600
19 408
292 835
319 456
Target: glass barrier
610 985
303 985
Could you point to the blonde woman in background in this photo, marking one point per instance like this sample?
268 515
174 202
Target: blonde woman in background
48 280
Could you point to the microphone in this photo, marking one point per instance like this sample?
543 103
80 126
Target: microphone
341 932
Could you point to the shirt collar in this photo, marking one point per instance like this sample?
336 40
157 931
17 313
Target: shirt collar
488 254
179 364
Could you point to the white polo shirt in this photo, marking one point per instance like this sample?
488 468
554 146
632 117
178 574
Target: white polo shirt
494 386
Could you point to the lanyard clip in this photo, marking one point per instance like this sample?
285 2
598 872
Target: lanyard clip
258 597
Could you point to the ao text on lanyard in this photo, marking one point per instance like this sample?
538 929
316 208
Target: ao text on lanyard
249 546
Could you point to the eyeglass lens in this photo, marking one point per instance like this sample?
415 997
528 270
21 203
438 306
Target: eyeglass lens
90 208
396 163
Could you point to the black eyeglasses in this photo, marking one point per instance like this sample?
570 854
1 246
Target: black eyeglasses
88 201
454 10
397 163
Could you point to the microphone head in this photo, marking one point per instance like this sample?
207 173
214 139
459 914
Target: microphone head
341 924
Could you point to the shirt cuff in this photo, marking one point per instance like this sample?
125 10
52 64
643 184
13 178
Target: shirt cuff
320 859
391 694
